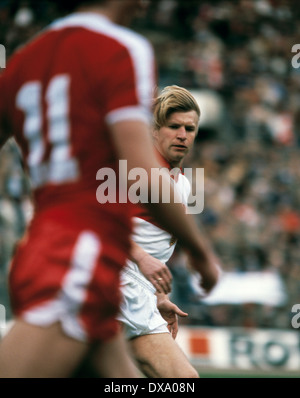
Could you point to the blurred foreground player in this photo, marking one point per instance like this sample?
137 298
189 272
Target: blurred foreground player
148 317
77 99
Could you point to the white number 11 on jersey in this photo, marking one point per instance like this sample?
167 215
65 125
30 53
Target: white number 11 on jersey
60 166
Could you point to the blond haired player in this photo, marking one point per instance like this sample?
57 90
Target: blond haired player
149 318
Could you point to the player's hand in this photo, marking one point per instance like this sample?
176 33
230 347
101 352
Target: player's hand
170 312
209 273
156 272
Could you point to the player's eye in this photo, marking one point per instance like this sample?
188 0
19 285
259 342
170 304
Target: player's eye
190 128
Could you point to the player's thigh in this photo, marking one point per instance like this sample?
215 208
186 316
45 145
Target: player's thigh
112 359
29 351
160 356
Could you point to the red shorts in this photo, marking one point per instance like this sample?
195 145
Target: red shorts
70 275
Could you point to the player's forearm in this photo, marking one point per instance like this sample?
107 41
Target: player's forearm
161 298
136 253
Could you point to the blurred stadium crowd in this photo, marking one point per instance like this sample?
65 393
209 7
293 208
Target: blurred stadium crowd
236 55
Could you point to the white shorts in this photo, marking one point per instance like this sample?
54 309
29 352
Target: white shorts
138 313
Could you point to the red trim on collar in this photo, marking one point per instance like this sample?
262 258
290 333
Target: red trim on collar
163 162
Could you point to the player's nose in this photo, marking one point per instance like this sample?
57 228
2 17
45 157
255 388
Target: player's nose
181 133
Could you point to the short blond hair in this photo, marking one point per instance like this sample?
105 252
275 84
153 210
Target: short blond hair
172 99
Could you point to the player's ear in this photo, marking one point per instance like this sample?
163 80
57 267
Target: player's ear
155 133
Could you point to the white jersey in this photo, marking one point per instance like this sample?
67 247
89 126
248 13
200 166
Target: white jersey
154 240
138 313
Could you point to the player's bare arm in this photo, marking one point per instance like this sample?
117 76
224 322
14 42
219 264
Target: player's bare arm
152 268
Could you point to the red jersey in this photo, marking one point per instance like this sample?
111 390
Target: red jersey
59 95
